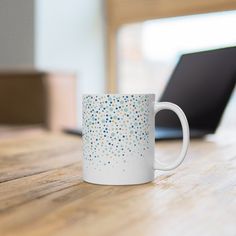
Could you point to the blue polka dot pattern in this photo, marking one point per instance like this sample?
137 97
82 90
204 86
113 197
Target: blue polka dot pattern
115 129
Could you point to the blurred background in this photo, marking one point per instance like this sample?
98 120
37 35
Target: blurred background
52 52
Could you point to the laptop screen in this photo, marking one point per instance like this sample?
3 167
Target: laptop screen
201 85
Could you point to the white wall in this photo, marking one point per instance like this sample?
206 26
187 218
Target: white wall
55 35
70 36
16 33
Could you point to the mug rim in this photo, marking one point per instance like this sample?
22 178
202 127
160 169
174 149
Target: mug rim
117 94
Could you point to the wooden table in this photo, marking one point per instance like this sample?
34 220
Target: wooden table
42 192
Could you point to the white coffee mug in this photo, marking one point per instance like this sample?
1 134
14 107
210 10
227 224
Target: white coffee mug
118 138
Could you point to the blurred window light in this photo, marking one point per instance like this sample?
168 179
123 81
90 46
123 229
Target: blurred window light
166 38
148 51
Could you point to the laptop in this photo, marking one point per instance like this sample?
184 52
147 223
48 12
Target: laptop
201 84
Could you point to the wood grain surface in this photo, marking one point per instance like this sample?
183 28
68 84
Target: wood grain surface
42 192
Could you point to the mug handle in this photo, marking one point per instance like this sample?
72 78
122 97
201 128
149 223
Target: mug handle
185 127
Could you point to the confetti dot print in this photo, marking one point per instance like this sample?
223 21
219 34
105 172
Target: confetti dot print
116 130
